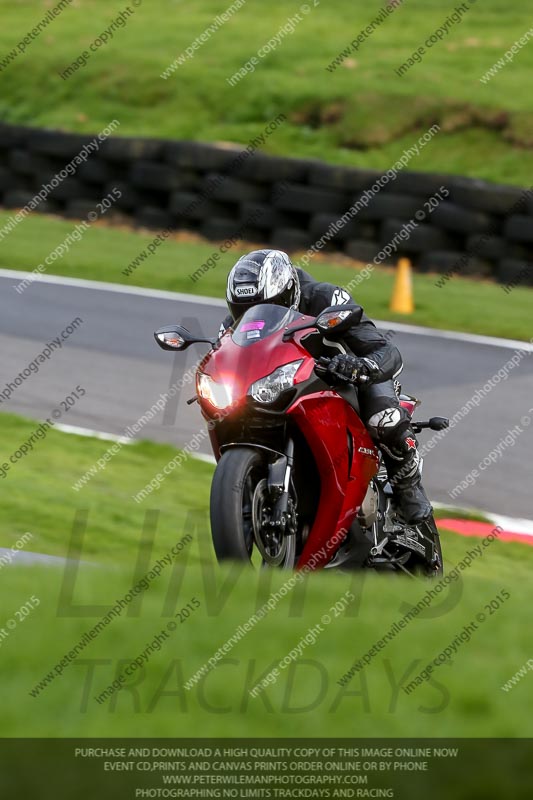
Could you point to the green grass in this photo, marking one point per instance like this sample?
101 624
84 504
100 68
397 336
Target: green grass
103 252
464 700
360 114
460 513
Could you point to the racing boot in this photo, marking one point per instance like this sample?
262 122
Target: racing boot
402 460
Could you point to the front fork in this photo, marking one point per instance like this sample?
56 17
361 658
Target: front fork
279 477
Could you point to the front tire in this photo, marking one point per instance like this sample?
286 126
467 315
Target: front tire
237 500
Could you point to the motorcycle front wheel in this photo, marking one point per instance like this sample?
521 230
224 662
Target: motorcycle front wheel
240 510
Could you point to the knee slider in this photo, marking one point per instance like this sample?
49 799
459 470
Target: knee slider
387 425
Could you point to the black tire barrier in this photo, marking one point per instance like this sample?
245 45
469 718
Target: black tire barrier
290 239
419 184
153 218
421 239
22 162
383 206
454 262
63 146
309 199
79 209
456 218
486 246
270 169
365 251
73 189
219 229
254 236
188 205
515 273
148 175
128 150
131 199
325 225
266 218
11 136
8 180
198 156
519 229
17 198
232 191
481 196
98 172
342 179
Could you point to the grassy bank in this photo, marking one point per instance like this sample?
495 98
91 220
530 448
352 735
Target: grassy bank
462 699
359 112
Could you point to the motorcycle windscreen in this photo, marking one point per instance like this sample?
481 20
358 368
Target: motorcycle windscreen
261 321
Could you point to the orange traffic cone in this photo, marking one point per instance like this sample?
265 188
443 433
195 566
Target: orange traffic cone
402 295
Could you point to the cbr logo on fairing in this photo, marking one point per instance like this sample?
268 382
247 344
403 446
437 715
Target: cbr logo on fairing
245 291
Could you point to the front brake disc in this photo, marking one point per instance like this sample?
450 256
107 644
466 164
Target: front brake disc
274 546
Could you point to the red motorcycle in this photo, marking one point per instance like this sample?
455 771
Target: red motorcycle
299 483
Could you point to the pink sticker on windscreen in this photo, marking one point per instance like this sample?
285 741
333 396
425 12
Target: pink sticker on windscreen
256 325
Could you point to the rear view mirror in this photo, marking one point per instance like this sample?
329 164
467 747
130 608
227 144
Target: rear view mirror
176 337
173 337
336 320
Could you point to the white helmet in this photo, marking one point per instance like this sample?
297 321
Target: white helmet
262 276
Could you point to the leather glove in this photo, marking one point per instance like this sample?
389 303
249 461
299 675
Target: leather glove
352 369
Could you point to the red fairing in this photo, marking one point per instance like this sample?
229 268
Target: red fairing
325 419
242 366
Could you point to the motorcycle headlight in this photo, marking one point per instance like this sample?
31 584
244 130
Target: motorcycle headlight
269 388
220 395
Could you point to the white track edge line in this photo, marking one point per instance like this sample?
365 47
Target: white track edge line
77 431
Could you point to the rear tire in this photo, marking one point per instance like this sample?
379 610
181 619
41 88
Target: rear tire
428 529
437 570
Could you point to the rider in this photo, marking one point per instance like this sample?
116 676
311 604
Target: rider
268 276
